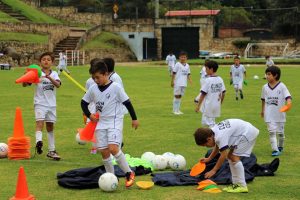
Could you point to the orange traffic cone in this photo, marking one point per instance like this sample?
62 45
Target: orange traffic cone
22 188
87 133
18 125
31 76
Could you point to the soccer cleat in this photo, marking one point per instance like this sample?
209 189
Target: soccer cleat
93 151
180 113
242 96
280 149
275 153
38 147
227 188
237 189
129 179
176 113
54 155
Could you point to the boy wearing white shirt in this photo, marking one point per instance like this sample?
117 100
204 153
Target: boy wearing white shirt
171 60
203 76
237 75
62 65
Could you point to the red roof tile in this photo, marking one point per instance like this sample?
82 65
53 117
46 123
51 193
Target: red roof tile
192 13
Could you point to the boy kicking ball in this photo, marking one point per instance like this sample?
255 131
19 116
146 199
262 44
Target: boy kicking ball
232 138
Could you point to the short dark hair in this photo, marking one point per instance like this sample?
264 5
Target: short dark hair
206 61
110 63
275 71
267 57
99 66
201 135
236 57
182 53
47 54
212 64
94 61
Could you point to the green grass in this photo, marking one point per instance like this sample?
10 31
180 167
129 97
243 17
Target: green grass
160 131
105 40
30 12
23 37
7 18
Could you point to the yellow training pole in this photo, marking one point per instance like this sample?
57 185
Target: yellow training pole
74 81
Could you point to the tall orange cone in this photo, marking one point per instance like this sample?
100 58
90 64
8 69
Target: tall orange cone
18 126
87 133
31 76
22 188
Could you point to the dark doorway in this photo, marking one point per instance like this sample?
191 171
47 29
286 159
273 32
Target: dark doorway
149 48
180 39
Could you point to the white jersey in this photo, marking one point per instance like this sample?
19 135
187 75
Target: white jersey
270 63
182 71
213 88
109 104
89 83
171 60
116 78
203 72
62 59
229 133
237 73
45 91
274 99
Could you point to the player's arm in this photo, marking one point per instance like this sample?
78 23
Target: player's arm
26 84
128 105
202 96
262 113
213 154
223 96
173 78
56 83
190 78
223 156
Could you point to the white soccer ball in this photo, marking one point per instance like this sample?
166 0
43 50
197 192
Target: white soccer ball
79 141
255 77
108 182
3 150
248 65
159 162
178 162
149 156
168 156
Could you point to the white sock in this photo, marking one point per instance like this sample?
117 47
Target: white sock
273 141
121 160
233 176
281 139
108 165
238 173
174 104
38 136
51 143
178 104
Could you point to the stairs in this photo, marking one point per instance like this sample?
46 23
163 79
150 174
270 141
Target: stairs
8 10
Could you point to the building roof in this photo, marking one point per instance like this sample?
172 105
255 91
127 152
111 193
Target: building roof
178 13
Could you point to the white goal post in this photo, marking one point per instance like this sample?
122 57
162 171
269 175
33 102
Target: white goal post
281 47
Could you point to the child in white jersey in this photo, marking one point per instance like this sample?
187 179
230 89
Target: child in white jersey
211 95
45 104
276 100
203 76
181 73
62 64
171 60
109 98
237 75
232 138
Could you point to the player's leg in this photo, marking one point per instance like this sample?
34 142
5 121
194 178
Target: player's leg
176 100
170 70
66 69
40 114
236 89
59 69
102 144
272 128
241 89
281 137
182 90
50 120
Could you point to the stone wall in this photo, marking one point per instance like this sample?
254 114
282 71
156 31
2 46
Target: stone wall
119 55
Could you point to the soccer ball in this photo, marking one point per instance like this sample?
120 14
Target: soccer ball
160 162
178 162
168 156
149 156
3 150
255 77
79 141
108 182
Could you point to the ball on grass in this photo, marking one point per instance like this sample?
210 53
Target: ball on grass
159 162
3 150
168 156
255 77
178 162
108 182
149 156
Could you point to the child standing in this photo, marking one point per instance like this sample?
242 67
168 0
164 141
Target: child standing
203 76
232 138
211 95
276 100
237 75
45 104
181 72
171 60
108 98
269 61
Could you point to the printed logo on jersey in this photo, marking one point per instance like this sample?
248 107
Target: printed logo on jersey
224 124
272 101
216 87
107 95
184 72
99 106
47 86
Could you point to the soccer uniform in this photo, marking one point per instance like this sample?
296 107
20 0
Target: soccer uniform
62 65
117 79
213 89
203 75
269 63
182 71
109 104
89 83
45 98
237 73
170 60
235 134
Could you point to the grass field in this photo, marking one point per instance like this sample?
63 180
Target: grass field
160 131
23 37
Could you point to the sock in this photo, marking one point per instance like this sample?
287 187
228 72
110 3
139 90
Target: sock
51 143
238 173
108 165
178 104
174 104
281 139
121 160
273 141
233 176
38 136
236 93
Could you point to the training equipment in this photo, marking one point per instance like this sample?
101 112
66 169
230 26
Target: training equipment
178 162
198 169
145 184
245 82
74 81
256 49
255 77
32 75
18 144
87 133
286 107
149 156
22 188
160 162
108 182
168 156
78 140
237 189
3 150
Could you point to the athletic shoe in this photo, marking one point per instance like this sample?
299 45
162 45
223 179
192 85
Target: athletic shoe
227 188
129 179
176 113
242 96
236 98
54 155
93 151
280 149
180 113
237 189
275 153
38 147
